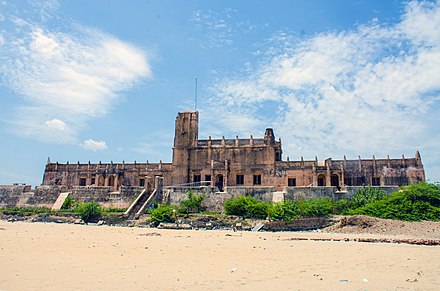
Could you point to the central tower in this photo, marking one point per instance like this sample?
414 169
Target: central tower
185 140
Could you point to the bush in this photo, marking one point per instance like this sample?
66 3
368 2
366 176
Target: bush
69 203
316 207
36 210
164 213
193 204
364 196
286 210
247 206
90 211
414 203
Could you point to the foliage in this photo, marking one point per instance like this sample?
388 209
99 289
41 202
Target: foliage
364 196
69 203
193 204
164 213
286 210
289 210
413 203
90 211
113 210
35 210
247 206
316 207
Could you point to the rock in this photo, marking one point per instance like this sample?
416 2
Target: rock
78 221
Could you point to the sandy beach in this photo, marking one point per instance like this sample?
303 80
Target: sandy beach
49 256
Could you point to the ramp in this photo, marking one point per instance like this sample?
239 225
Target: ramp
147 203
258 227
60 201
137 204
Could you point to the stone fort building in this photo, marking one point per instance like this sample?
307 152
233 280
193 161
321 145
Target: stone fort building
223 163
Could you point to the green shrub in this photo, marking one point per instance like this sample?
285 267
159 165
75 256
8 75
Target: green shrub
316 207
258 210
164 213
286 210
414 203
246 206
341 207
193 204
31 209
364 196
69 203
90 211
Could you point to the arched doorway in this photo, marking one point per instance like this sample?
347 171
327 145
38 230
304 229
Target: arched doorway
219 182
334 180
101 180
321 180
120 180
111 180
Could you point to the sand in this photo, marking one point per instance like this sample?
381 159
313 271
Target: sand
49 256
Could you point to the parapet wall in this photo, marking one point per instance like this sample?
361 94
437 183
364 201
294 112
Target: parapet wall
296 193
45 196
214 200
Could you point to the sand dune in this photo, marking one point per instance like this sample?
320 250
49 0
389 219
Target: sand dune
48 256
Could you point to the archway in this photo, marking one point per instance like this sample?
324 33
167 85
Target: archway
219 182
335 180
101 180
111 180
321 180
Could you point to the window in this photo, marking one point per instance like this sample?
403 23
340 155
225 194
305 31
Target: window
82 181
240 180
257 179
197 179
208 180
142 182
93 181
291 182
375 181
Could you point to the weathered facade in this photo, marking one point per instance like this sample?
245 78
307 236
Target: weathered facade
222 163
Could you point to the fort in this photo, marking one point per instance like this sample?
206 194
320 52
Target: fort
224 168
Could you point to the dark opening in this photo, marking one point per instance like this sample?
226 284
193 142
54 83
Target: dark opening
82 181
142 182
335 180
257 179
375 181
219 183
291 182
240 179
208 180
197 179
321 180
93 181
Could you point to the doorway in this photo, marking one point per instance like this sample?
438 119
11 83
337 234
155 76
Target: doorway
219 182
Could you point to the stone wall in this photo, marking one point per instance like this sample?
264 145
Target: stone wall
106 195
214 200
295 193
45 196
10 195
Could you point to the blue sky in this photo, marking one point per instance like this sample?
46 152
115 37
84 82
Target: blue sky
103 80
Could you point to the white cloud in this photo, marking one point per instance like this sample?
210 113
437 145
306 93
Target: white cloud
93 145
72 75
372 89
55 124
